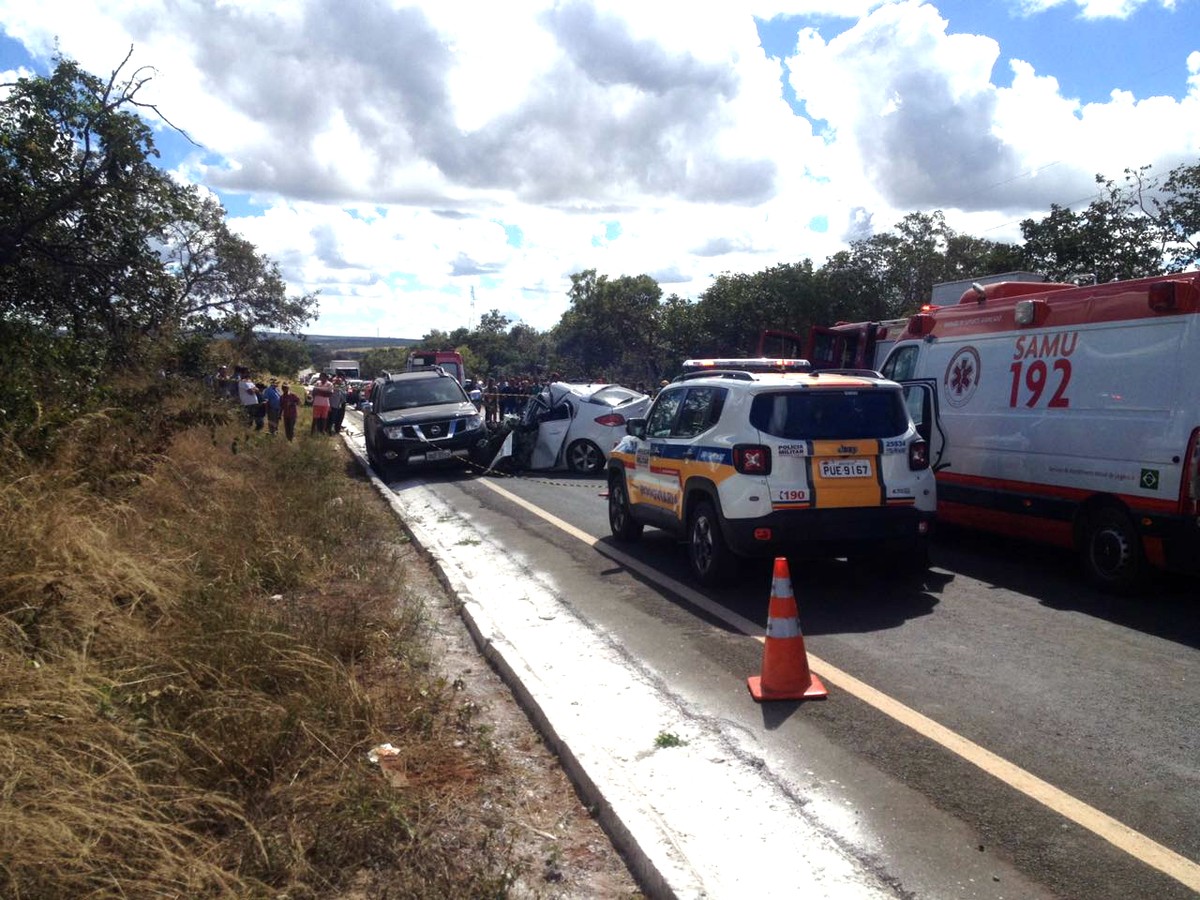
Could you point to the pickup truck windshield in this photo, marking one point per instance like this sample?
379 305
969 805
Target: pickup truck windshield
420 392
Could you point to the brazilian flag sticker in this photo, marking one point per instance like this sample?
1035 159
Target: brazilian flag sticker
1150 479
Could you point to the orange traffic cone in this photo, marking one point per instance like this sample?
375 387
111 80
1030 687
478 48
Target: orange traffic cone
785 674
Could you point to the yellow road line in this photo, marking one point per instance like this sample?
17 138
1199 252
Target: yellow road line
1101 824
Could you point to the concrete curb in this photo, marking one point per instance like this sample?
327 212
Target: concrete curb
511 667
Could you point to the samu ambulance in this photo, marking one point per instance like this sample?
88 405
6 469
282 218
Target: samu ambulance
1066 414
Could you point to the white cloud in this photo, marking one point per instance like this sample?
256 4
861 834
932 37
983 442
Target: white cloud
1095 9
388 146
916 106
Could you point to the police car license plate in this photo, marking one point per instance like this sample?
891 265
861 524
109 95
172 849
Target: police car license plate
434 455
845 468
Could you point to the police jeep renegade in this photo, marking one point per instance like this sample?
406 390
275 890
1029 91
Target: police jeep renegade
746 458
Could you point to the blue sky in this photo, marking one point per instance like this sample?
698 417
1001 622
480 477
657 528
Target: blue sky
396 156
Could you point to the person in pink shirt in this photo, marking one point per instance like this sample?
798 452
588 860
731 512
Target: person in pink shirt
321 392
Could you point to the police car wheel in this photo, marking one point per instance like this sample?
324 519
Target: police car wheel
584 458
712 560
1112 551
620 518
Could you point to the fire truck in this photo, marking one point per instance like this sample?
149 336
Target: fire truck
1067 414
865 345
450 361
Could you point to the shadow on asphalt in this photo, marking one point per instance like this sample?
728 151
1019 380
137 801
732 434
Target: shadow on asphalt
837 596
833 596
1166 608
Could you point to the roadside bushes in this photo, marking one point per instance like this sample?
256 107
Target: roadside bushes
202 632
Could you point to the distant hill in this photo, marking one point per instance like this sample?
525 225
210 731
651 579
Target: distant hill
359 343
349 344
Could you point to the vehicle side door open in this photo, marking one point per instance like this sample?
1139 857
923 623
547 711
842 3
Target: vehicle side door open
921 399
552 426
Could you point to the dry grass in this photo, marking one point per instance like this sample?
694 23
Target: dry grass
201 636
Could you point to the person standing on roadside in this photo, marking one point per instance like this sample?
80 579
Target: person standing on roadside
289 408
271 396
248 397
491 401
337 405
321 392
260 409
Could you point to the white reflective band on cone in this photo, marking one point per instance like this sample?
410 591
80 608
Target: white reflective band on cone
783 628
781 587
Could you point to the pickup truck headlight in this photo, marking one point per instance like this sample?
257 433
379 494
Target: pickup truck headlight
473 423
395 433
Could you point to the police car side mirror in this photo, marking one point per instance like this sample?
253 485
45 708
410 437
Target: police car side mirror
636 428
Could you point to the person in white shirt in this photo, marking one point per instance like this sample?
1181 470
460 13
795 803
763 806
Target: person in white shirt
248 396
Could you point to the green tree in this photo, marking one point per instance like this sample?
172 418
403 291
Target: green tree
382 359
1113 238
98 242
891 275
611 328
221 280
731 315
1177 210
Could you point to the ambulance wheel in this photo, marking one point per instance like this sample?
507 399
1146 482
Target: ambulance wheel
712 560
620 518
1112 550
585 458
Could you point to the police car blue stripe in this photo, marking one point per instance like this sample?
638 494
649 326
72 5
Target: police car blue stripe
693 453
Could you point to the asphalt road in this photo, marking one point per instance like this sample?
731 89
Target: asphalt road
1008 661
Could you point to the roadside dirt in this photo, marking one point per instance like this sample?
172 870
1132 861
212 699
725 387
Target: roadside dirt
563 851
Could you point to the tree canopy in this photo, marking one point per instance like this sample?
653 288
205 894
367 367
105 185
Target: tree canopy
98 243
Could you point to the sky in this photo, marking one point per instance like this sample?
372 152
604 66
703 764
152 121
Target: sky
422 163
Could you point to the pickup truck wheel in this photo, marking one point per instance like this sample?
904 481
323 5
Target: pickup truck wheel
1112 551
620 517
712 560
584 458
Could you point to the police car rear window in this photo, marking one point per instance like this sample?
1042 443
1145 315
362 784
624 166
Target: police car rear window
830 415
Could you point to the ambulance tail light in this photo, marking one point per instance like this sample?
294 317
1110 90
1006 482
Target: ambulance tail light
610 420
1191 477
918 456
752 459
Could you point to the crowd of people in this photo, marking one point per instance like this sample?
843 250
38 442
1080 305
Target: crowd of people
267 405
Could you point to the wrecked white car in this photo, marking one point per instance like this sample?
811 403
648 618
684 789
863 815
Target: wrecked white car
574 426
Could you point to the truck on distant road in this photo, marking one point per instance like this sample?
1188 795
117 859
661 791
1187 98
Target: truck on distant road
346 368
